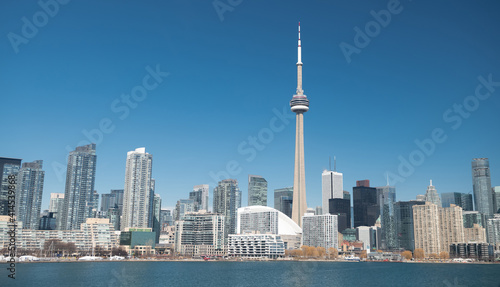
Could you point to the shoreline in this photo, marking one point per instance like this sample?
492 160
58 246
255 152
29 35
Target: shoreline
246 260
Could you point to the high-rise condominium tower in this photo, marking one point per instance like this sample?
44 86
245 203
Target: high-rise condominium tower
138 194
299 105
200 195
481 184
257 190
227 200
332 187
29 194
79 192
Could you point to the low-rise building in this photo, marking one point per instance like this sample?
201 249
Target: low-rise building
253 245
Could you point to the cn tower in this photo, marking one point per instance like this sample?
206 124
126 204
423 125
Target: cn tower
299 105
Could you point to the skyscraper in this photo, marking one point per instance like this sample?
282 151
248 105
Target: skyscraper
156 216
386 197
432 196
463 200
139 190
79 191
283 200
29 194
342 208
227 200
451 226
166 218
8 166
299 105
366 209
426 228
496 197
184 206
403 214
332 187
257 190
56 203
320 231
200 195
481 184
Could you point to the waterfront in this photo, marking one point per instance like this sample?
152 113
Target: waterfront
311 273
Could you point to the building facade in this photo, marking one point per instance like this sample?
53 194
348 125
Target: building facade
320 231
256 246
451 226
138 193
182 207
365 204
481 184
426 228
200 234
463 200
257 190
332 186
475 234
342 208
403 214
227 200
79 200
283 200
386 197
493 229
29 193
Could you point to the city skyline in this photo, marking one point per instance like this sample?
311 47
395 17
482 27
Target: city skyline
404 103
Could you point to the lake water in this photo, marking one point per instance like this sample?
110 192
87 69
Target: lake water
251 274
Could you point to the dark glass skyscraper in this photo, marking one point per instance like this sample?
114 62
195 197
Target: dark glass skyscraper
403 214
29 194
366 209
283 200
481 183
79 192
8 166
342 208
463 200
386 197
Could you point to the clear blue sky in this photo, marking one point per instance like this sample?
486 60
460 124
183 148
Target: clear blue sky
226 78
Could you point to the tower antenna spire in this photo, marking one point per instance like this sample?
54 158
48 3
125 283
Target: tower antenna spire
335 163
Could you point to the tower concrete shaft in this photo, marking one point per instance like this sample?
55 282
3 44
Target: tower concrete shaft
299 206
299 105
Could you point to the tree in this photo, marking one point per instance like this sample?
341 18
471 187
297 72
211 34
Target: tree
433 256
407 255
321 251
305 249
314 252
333 253
444 255
419 254
363 254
